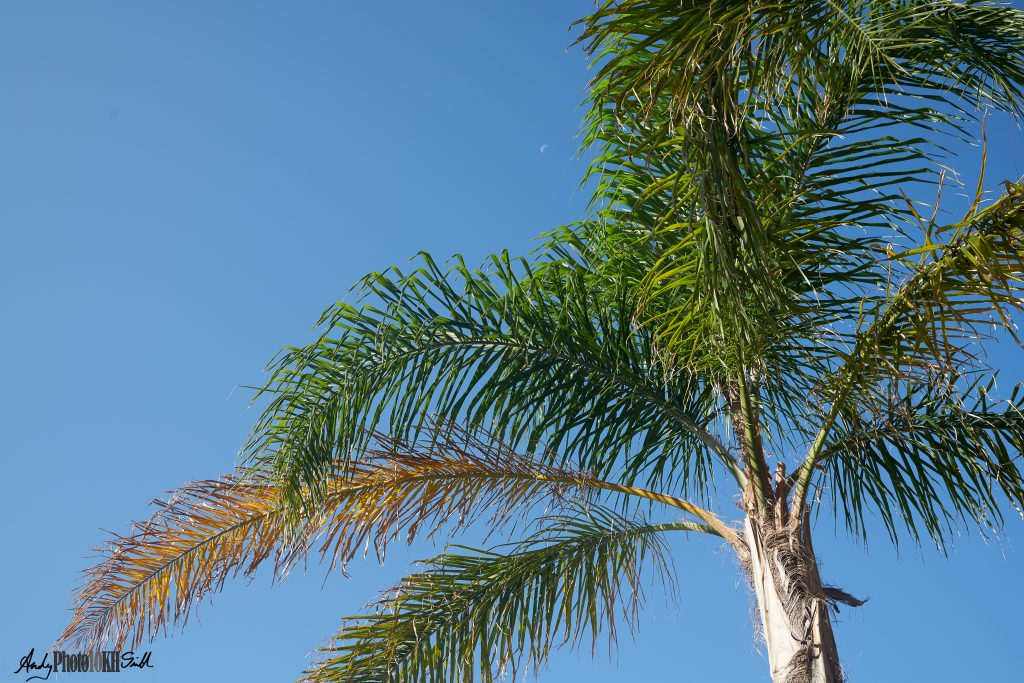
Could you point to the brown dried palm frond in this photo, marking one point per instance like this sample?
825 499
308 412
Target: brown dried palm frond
212 530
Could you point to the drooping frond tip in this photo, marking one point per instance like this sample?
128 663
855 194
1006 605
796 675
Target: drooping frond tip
210 531
150 578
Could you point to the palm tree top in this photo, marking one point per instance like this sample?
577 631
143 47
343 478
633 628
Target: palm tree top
758 306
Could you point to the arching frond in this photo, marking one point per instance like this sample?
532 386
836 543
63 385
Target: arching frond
935 460
535 356
930 325
213 530
486 614
956 291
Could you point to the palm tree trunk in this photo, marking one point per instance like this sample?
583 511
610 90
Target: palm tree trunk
792 604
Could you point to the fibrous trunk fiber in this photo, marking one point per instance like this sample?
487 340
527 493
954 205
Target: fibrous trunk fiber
792 603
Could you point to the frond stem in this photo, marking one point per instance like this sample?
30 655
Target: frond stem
719 527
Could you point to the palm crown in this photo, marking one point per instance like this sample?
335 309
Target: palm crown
757 281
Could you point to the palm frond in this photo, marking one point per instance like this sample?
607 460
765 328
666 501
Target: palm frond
214 530
926 329
759 139
538 356
205 533
935 460
483 615
955 292
738 59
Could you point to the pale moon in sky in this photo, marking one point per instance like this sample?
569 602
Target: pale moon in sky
543 148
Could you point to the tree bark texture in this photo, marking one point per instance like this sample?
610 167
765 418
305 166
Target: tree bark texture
792 603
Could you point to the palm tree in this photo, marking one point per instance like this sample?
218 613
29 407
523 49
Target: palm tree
754 314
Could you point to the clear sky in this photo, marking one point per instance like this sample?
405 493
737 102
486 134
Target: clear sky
185 186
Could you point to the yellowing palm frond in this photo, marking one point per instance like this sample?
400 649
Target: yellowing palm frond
212 530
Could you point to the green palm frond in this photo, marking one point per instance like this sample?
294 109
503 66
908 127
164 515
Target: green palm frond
486 614
700 60
536 357
954 292
934 461
763 138
930 326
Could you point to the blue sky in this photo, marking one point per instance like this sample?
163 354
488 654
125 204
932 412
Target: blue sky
185 186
